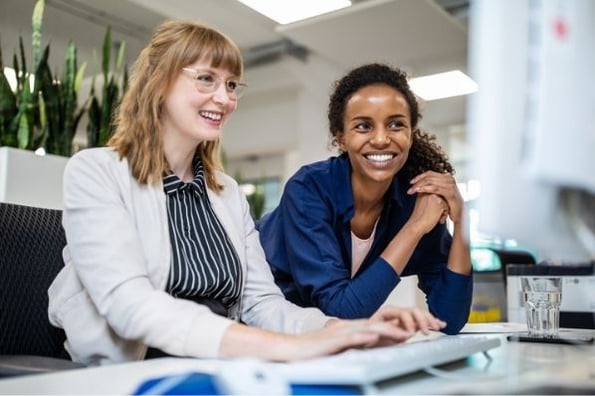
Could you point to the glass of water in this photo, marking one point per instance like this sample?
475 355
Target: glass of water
542 297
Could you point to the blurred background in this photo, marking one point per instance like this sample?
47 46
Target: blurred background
281 119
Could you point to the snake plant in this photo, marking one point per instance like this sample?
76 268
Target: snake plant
42 111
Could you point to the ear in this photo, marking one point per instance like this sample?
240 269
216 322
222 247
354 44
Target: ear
340 137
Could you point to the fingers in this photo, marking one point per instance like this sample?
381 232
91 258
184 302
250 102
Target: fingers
442 184
429 210
389 325
365 333
433 182
409 319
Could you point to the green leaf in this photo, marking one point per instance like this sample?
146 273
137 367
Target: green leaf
23 130
36 36
78 81
40 137
8 106
107 49
94 116
23 68
42 65
53 107
120 58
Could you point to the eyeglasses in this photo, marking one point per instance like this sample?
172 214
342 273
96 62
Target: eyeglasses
207 82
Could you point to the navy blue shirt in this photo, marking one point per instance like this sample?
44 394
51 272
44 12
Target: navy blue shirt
307 241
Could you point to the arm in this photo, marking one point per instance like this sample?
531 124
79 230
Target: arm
444 185
316 255
449 290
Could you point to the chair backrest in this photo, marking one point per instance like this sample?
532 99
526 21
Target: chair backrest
31 243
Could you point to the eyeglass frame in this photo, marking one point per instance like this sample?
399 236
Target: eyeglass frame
232 94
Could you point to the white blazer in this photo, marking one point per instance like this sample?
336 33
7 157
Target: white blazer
110 297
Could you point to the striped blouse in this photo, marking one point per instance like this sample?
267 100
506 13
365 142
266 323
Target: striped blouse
204 262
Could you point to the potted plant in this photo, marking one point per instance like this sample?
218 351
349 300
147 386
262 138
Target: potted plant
41 112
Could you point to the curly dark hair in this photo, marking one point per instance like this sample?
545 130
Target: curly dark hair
425 153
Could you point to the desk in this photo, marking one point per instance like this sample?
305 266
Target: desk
515 368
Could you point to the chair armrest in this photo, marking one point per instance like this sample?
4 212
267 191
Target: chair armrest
13 365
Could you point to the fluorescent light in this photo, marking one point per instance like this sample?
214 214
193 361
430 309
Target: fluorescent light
443 85
285 11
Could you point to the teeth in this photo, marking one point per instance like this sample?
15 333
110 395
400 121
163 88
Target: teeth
379 157
211 115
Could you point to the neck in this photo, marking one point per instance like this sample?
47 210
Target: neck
179 156
368 197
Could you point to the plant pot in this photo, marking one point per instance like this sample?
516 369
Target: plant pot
30 179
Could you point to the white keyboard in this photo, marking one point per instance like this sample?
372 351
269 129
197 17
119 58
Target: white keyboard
360 367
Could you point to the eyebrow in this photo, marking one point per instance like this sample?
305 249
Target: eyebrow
367 118
211 71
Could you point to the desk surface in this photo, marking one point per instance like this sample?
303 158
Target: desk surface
514 368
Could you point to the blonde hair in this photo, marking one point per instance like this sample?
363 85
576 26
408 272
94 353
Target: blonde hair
138 135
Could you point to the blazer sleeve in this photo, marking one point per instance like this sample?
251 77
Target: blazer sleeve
263 303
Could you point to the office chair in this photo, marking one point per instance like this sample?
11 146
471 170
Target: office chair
31 242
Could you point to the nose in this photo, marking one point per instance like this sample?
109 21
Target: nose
220 94
380 137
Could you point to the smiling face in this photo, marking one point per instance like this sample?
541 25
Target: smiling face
376 133
190 116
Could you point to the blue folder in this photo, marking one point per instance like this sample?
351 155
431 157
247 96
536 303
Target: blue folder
195 383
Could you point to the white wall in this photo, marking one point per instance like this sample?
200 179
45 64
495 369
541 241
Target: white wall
282 115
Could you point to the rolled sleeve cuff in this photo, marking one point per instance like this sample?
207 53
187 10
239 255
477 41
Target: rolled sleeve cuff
206 335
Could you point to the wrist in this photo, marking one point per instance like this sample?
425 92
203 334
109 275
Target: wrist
331 322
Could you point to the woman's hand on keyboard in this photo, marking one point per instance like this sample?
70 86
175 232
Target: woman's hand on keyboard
339 335
390 325
409 319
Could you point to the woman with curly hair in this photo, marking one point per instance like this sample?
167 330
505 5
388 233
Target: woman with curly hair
349 228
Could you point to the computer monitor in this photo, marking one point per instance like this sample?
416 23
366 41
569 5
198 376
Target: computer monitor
532 123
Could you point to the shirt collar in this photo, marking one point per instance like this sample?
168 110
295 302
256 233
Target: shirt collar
173 184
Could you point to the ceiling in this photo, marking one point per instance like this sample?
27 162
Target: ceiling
420 36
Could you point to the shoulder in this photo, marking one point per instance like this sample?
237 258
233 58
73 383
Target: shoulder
325 171
99 156
231 189
96 163
226 180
